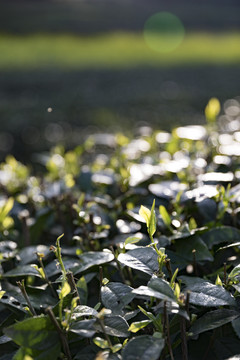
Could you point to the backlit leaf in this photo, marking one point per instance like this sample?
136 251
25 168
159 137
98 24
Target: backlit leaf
65 290
152 222
103 344
138 325
165 216
145 213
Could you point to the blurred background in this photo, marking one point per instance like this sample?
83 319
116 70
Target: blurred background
69 68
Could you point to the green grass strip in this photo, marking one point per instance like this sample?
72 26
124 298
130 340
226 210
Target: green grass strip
114 50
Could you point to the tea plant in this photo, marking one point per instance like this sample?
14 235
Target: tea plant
148 266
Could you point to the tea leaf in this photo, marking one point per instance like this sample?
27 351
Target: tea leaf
212 109
165 216
115 325
116 295
207 294
143 347
145 213
138 325
142 259
65 290
212 320
37 333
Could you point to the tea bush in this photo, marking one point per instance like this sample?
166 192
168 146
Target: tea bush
148 265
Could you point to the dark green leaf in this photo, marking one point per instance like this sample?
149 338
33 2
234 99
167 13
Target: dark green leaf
8 356
236 326
142 259
227 348
207 209
116 295
185 246
207 294
235 272
40 298
191 280
84 328
158 288
53 269
87 353
48 354
220 235
28 254
13 300
115 325
162 286
82 310
212 320
177 260
37 333
143 347
20 271
91 258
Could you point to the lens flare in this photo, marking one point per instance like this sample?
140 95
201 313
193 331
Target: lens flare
163 32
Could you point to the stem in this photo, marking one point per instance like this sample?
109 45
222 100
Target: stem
24 215
195 262
161 257
100 281
168 267
73 286
118 265
154 245
59 256
183 339
60 310
104 332
164 318
167 329
187 306
54 293
209 345
21 286
130 276
60 333
225 274
100 275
